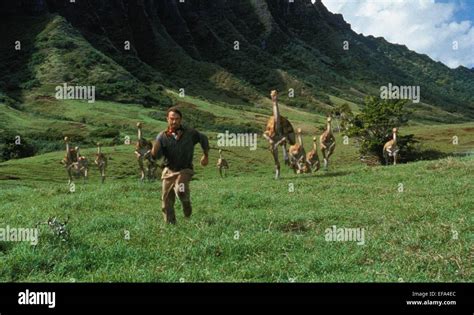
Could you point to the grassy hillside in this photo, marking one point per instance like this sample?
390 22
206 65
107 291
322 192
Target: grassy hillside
281 45
281 234
247 227
53 52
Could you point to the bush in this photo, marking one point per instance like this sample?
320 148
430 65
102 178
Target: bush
15 147
158 115
373 126
105 132
296 103
65 44
28 85
8 101
45 146
116 141
50 134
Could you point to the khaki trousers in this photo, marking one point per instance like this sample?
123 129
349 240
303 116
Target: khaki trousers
175 183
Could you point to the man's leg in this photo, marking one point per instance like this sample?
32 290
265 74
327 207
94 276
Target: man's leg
183 192
168 198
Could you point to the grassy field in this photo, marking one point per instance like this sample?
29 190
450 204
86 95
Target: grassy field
246 227
416 217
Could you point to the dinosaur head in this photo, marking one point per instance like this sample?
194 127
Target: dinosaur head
274 95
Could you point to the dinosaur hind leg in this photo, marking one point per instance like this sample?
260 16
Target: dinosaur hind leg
277 163
142 170
385 155
103 174
285 154
69 173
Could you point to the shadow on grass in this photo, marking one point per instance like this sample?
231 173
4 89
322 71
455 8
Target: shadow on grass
319 173
333 174
424 155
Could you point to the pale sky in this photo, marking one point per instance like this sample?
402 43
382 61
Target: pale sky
425 26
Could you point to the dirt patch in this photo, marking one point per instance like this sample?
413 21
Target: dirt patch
45 98
294 227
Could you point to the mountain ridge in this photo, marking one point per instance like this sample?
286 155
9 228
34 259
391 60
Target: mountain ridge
282 45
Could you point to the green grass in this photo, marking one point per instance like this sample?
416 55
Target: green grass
440 137
337 101
409 235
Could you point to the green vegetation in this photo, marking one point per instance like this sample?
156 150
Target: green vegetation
276 50
53 52
409 235
372 128
281 234
15 147
247 227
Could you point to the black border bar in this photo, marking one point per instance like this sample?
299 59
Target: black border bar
379 296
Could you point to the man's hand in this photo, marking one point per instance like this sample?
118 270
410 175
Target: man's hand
204 160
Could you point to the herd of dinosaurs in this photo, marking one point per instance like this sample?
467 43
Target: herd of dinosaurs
279 132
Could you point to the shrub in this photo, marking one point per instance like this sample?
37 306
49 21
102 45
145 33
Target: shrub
15 147
50 134
373 126
105 132
28 85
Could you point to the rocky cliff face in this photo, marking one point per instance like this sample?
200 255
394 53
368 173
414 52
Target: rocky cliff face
280 45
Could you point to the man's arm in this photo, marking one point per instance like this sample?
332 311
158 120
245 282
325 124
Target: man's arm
157 151
204 142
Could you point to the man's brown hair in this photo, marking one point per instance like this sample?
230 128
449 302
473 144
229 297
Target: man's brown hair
174 110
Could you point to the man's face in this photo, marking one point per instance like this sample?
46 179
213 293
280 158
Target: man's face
174 120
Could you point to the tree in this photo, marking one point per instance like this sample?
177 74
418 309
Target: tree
372 127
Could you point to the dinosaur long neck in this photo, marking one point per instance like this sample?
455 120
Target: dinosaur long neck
276 116
314 145
300 139
68 152
328 128
139 133
394 137
98 149
220 155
